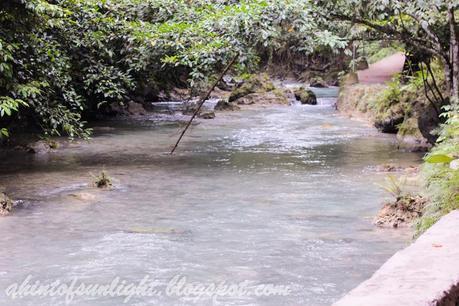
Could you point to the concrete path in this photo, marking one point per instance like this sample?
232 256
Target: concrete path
425 273
382 71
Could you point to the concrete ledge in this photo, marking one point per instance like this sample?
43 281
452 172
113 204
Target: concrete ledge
425 273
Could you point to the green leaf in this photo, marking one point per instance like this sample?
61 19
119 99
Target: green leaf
4 133
439 159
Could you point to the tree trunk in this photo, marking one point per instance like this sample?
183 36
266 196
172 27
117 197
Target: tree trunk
454 55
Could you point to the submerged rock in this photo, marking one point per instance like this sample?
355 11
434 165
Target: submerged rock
388 168
41 147
401 213
206 115
6 204
83 196
305 96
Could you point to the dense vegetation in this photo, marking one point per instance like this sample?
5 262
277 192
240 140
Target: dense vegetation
61 59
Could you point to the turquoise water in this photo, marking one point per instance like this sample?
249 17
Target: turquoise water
275 195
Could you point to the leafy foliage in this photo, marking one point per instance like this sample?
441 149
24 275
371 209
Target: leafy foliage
441 176
62 59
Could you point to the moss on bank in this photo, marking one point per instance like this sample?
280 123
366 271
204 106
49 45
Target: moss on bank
395 108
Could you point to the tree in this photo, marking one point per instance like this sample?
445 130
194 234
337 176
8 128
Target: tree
428 27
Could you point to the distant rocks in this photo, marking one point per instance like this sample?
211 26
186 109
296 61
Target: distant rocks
131 108
386 168
191 107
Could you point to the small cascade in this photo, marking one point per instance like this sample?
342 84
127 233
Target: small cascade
327 101
180 106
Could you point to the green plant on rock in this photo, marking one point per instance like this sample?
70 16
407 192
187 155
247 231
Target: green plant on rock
395 186
103 180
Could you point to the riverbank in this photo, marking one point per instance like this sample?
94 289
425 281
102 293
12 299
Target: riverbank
420 274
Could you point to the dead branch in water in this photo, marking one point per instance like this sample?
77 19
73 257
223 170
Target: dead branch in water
203 99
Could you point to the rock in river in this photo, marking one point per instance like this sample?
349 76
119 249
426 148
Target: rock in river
401 213
6 204
305 96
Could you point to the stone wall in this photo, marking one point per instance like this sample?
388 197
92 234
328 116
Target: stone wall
425 273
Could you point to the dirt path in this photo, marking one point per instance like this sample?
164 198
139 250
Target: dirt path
382 71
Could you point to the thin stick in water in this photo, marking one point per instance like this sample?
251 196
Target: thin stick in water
201 103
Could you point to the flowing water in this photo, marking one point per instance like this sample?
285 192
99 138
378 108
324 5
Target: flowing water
276 195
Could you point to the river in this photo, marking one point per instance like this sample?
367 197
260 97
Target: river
281 195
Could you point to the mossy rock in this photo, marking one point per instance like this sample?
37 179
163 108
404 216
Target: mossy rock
318 82
389 120
411 138
305 96
389 124
6 205
252 84
224 105
361 63
349 79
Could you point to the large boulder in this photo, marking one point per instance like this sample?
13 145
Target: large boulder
6 204
305 96
224 105
253 84
318 82
228 83
264 98
136 109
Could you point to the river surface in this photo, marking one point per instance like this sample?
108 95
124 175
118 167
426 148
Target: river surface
281 195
